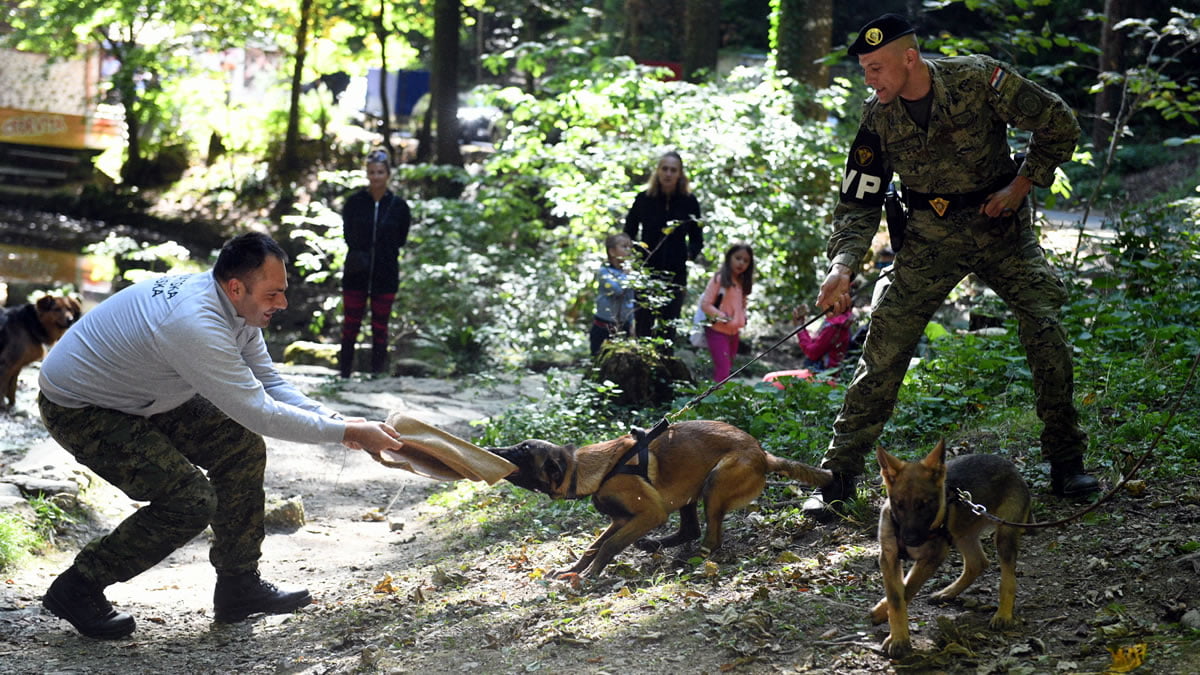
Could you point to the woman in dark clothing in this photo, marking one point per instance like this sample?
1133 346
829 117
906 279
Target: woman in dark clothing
375 223
665 217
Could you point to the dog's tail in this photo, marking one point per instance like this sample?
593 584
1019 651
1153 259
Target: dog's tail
810 475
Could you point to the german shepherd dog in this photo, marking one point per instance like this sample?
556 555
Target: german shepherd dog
690 461
923 517
25 333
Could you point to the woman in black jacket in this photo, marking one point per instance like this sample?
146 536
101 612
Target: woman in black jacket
375 223
668 217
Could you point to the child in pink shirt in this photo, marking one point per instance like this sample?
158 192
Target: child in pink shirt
724 301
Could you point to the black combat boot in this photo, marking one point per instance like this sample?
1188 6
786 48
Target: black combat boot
346 359
83 605
1069 479
237 596
833 499
379 358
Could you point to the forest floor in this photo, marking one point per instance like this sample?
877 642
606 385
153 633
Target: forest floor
406 584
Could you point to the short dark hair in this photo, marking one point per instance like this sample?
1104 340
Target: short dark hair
245 253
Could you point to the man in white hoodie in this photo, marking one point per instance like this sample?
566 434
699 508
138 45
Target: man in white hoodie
166 390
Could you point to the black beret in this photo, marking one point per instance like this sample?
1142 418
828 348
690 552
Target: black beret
878 32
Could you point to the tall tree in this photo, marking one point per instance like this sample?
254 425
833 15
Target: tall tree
1112 43
802 35
382 30
447 18
701 36
292 138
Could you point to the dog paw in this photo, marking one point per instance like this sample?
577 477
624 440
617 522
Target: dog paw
1000 621
941 597
897 649
648 545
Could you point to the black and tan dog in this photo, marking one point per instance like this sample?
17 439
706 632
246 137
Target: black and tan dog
923 517
25 333
690 461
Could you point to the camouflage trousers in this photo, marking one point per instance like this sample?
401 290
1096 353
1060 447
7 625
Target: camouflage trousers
937 254
158 460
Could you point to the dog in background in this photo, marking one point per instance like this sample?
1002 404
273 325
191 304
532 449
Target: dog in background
689 462
25 333
923 517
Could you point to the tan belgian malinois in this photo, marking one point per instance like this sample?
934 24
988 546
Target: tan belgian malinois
689 462
923 517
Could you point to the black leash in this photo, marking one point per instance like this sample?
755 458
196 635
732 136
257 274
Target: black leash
980 510
642 446
717 385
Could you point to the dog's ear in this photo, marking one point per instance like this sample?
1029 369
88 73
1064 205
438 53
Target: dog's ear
45 303
553 469
936 459
889 466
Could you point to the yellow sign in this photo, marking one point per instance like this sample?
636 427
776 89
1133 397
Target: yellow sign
939 205
30 127
874 36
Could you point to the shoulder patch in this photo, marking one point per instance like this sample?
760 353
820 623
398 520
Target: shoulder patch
866 172
1029 101
998 77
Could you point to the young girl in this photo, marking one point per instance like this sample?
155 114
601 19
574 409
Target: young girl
724 301
614 296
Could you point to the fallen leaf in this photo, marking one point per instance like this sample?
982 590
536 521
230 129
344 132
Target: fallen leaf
1127 659
385 585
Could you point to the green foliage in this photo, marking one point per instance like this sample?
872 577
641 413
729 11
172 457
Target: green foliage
17 540
572 411
507 271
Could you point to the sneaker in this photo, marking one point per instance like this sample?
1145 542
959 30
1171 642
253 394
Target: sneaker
82 604
1069 479
832 500
237 596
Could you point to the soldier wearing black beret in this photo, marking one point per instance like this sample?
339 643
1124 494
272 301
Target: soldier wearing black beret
941 127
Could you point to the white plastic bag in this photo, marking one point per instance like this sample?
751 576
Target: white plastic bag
697 336
700 320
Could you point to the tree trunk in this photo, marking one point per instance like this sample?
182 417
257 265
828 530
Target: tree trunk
1111 44
292 139
131 170
385 123
444 85
803 34
701 37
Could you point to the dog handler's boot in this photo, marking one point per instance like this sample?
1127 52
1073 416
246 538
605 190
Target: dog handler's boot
831 501
237 596
82 603
1069 479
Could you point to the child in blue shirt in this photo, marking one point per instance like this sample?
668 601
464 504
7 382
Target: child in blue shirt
614 296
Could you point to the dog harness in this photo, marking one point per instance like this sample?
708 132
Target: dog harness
641 448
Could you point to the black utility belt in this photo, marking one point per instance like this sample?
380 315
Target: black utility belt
942 204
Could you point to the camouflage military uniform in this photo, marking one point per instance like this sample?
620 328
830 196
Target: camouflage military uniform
951 167
154 459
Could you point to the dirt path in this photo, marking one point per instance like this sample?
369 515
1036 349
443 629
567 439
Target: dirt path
341 552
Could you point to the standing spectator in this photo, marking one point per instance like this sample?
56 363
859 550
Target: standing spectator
942 125
166 390
375 222
724 301
614 296
665 217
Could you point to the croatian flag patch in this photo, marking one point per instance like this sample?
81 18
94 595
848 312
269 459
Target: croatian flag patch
998 77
